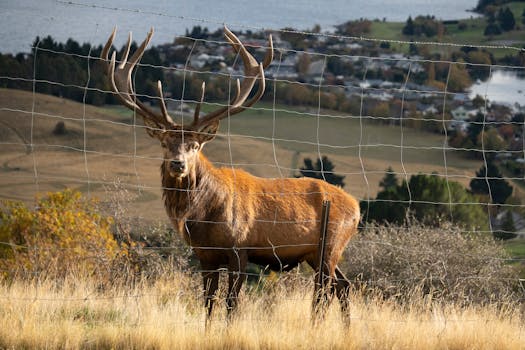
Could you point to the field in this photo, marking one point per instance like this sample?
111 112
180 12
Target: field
167 314
102 146
430 292
470 34
516 249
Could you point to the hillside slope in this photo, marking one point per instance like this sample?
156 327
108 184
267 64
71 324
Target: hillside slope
102 146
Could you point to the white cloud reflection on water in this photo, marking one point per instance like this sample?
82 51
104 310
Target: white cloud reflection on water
503 86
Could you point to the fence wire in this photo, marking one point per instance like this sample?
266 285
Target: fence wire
34 175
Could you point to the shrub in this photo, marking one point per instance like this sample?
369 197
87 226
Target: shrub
64 233
148 250
60 129
490 181
431 199
462 26
422 25
442 263
323 169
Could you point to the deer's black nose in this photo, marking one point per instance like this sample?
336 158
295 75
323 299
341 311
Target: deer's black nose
177 165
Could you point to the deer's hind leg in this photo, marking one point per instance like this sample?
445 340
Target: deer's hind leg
342 286
324 288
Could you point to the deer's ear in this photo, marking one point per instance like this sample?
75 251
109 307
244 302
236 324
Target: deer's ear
208 131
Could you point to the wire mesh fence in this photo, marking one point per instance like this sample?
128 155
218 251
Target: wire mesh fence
399 120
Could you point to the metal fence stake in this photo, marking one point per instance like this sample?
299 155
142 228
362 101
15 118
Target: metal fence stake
322 242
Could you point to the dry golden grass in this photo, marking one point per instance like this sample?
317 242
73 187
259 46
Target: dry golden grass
167 314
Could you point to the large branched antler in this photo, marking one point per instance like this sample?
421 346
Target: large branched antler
121 84
253 71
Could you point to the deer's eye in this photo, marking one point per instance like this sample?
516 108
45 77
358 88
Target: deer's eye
164 145
193 146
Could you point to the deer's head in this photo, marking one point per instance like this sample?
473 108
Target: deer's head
181 144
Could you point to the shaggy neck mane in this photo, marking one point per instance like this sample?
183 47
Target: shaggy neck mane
195 196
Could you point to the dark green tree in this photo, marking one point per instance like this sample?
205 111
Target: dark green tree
485 6
474 129
506 19
408 29
391 202
56 73
429 199
422 25
491 178
390 180
198 32
15 67
412 48
507 229
482 4
323 169
518 118
492 27
339 67
479 101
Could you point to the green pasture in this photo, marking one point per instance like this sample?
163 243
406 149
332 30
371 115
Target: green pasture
471 33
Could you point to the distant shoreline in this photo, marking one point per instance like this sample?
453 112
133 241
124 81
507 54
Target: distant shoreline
20 24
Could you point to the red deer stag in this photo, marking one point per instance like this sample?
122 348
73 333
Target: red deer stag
228 216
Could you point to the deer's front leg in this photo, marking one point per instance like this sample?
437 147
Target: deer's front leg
210 278
238 260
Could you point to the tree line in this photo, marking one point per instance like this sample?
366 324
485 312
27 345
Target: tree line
70 70
429 199
499 19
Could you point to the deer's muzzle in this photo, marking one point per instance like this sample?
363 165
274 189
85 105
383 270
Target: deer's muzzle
177 167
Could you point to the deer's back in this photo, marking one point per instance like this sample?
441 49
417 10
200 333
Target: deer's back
287 211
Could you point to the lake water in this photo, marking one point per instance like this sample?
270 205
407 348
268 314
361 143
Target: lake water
92 20
503 86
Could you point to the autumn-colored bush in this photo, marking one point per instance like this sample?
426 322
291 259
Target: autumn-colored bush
63 233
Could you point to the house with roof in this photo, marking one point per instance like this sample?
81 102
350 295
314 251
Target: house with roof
284 68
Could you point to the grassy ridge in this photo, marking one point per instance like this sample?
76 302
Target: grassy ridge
471 34
102 145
